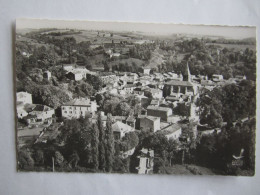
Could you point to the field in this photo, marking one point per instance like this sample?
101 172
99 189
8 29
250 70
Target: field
237 47
96 37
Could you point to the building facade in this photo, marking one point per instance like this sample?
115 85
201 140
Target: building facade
79 107
149 123
162 112
24 97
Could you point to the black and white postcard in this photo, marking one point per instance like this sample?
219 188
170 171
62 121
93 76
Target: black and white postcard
135 98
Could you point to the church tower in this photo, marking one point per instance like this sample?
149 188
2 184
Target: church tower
186 74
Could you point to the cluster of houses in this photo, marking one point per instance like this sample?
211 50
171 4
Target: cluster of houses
164 92
33 114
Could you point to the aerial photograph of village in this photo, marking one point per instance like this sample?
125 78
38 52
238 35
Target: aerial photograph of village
135 98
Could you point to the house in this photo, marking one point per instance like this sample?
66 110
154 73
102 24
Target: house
161 112
138 91
21 111
146 161
24 97
217 77
210 131
160 85
119 118
175 76
121 92
78 74
175 118
121 75
111 90
210 85
155 103
114 55
104 118
78 107
132 76
148 123
156 93
47 75
146 70
120 129
131 121
121 83
39 114
172 131
109 78
68 67
129 88
142 98
144 81
173 99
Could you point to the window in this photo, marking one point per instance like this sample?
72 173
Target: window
70 112
65 111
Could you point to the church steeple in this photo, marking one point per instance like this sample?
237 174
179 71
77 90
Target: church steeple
186 74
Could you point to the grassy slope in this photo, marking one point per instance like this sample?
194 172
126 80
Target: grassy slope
187 170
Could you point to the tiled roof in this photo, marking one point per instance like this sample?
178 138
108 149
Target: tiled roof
40 108
170 129
119 126
179 83
152 118
158 108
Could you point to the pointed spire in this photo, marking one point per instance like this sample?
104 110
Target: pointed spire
186 75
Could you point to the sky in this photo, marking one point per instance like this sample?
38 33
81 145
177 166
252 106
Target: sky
235 32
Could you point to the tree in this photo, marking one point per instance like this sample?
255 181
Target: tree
182 110
172 150
123 109
39 157
129 141
110 150
95 82
69 43
166 90
101 147
106 67
25 160
94 146
74 159
58 158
